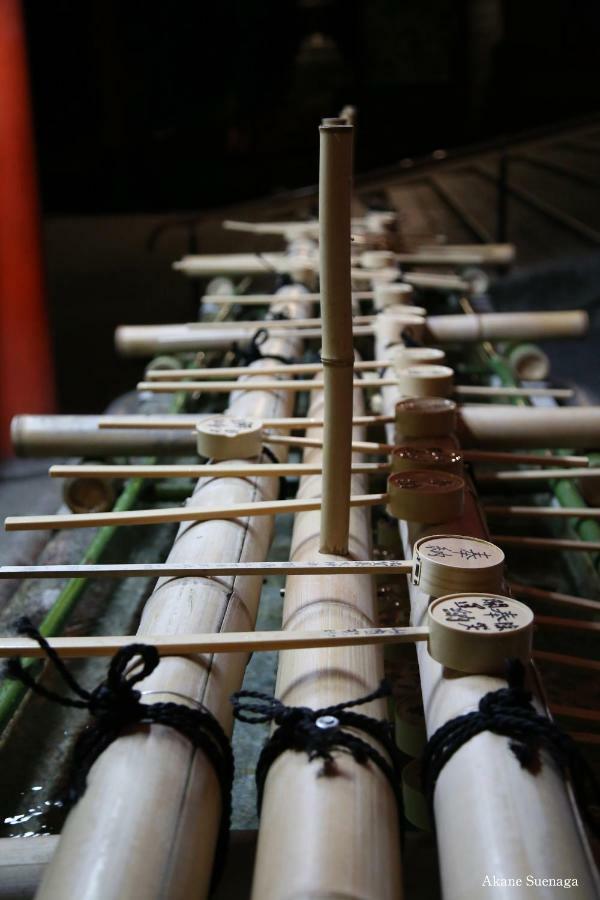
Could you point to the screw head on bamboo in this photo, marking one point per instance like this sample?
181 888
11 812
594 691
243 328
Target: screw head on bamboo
425 496
445 563
425 417
226 437
407 458
392 295
426 381
476 633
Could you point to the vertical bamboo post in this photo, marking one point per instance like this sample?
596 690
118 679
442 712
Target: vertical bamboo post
511 822
335 192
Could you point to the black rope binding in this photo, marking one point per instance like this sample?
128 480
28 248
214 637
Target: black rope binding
116 707
318 732
274 459
510 712
251 352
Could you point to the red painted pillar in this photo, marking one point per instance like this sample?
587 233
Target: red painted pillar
26 373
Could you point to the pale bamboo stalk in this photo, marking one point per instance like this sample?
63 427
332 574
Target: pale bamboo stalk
208 265
224 642
346 827
534 543
146 826
491 785
533 593
530 326
210 470
263 299
499 427
367 447
236 371
225 387
209 570
177 514
284 324
189 422
432 281
534 512
146 340
496 253
337 355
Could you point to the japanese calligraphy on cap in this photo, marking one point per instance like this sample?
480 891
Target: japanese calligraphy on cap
226 437
425 417
405 458
477 633
425 496
426 381
446 563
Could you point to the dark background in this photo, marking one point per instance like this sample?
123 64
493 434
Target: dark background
147 106
145 111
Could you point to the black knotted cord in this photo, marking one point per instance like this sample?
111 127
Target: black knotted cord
318 732
251 352
510 712
115 706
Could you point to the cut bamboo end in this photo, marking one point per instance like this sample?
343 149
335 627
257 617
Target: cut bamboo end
426 381
468 633
402 357
425 417
476 633
227 437
408 458
209 570
444 563
178 514
428 497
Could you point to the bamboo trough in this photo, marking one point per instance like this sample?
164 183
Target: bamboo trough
512 797
94 858
147 340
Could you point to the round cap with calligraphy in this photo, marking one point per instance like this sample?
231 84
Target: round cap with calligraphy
445 563
425 417
477 633
226 437
405 458
425 496
426 381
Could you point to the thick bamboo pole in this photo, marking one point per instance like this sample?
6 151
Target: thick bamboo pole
224 387
223 642
146 826
146 340
328 837
482 426
500 801
229 511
